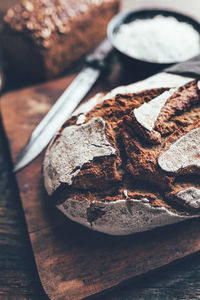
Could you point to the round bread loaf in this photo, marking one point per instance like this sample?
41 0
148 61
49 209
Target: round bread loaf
129 161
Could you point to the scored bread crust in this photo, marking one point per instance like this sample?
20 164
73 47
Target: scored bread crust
126 212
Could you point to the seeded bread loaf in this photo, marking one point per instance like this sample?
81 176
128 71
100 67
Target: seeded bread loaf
132 162
41 38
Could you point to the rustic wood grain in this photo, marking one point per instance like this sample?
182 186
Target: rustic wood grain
180 281
74 262
18 277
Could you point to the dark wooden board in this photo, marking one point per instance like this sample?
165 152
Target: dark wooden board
74 262
18 279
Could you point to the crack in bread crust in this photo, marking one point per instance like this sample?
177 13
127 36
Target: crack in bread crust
134 176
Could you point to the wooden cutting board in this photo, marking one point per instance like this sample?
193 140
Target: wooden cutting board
74 262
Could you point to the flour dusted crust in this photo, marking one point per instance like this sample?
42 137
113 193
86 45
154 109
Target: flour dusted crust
190 196
107 171
183 154
147 114
74 147
118 218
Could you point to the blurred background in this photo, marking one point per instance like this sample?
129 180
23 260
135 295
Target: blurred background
18 273
189 7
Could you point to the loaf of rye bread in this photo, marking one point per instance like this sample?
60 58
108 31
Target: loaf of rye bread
132 162
41 38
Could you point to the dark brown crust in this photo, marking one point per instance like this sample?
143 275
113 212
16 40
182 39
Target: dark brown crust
142 160
102 171
136 168
113 110
184 99
134 190
60 31
142 155
175 113
180 184
179 133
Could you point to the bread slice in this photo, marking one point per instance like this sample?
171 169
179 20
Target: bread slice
105 171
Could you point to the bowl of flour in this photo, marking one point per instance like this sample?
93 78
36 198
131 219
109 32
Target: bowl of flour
155 38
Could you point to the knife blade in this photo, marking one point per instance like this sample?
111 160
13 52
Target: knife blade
64 106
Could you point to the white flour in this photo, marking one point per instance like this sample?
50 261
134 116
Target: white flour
160 39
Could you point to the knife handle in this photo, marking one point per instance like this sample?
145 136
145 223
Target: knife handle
98 58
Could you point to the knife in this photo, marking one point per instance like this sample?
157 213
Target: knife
65 105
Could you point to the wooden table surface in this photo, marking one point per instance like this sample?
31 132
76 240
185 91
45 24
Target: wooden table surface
18 274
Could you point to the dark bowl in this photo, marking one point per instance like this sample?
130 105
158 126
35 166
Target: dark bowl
134 64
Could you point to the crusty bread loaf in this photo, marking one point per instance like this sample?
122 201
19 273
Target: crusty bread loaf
41 38
131 163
